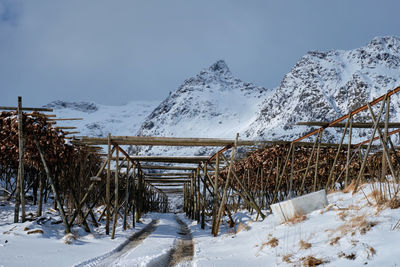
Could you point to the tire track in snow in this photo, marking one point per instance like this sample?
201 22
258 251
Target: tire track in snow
133 241
184 248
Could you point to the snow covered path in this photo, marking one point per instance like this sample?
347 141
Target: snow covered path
166 241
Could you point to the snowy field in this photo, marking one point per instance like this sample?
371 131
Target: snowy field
351 231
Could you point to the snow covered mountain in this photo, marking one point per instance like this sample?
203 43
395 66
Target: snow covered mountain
323 86
99 120
212 104
320 87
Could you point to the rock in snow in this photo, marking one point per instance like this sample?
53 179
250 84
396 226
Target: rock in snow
320 87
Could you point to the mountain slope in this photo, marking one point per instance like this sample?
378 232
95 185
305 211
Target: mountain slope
323 86
212 104
99 120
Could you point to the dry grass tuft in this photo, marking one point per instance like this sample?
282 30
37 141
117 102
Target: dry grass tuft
272 242
349 188
357 223
328 208
69 238
304 245
287 258
350 256
334 240
360 223
297 218
342 215
242 227
394 203
26 228
37 231
380 199
312 261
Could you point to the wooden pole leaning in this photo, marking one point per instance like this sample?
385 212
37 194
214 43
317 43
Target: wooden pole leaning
385 147
53 187
223 199
247 196
364 162
346 179
333 168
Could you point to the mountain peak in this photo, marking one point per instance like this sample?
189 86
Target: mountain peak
219 67
384 42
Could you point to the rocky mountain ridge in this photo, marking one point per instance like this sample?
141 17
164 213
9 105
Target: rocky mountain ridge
321 86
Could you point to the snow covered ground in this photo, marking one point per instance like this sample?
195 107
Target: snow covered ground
348 232
51 247
351 231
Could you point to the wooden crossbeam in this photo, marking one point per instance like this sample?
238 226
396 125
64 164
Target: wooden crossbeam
168 141
65 127
194 159
177 185
354 125
66 119
168 174
175 168
352 113
161 181
27 109
167 178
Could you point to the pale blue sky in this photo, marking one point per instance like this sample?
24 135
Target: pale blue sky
112 52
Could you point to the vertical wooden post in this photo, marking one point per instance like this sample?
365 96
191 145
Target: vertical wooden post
346 179
19 191
215 192
385 137
116 197
126 211
203 210
317 161
192 197
108 187
262 188
40 202
133 195
291 172
198 194
139 202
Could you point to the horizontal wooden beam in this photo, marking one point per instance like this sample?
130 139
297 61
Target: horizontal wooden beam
193 159
27 109
169 174
168 141
167 178
175 168
156 185
166 181
65 127
358 110
354 124
67 133
67 119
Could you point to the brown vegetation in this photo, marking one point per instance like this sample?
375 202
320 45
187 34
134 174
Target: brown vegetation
312 261
304 245
37 231
297 218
